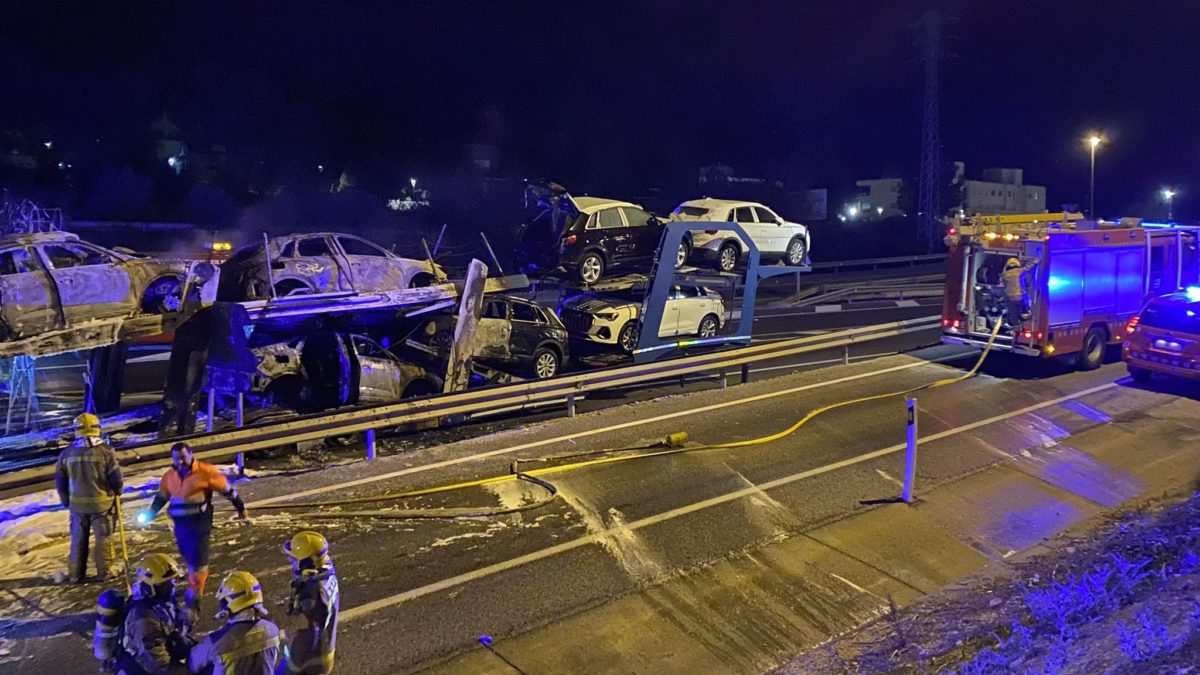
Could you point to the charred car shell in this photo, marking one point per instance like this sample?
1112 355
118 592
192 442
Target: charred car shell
319 262
55 280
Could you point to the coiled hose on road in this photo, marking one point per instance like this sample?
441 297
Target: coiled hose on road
672 445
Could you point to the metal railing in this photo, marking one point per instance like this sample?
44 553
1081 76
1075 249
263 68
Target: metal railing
225 444
874 263
872 291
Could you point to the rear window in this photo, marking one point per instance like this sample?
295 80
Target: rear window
692 211
1167 316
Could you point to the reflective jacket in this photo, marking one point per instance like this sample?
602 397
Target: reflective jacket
1014 282
88 477
317 597
191 494
154 637
247 645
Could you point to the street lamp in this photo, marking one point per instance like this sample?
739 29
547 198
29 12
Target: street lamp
1168 196
1093 141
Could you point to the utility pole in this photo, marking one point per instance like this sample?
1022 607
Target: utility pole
929 194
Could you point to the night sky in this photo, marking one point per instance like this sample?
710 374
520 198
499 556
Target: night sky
618 95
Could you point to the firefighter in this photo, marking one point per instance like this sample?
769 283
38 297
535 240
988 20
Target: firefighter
155 641
188 487
1016 293
315 594
248 643
88 480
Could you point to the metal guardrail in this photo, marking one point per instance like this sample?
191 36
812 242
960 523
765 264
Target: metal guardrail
873 291
874 263
224 444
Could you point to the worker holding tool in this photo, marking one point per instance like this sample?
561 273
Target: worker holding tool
316 596
1016 291
248 643
88 480
188 487
155 640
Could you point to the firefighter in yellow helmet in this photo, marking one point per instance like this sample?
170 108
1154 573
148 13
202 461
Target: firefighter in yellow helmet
315 595
155 639
248 643
1015 280
88 480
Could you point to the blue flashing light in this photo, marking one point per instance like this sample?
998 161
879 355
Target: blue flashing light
1190 313
143 518
1054 283
485 640
1193 293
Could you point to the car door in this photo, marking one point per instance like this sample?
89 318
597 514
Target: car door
691 310
528 326
494 334
379 372
371 268
613 235
774 233
670 321
744 216
314 261
645 232
91 282
28 304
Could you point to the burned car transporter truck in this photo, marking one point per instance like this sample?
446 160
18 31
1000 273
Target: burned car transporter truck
1081 280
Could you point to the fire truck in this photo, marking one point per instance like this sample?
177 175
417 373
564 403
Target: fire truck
1081 280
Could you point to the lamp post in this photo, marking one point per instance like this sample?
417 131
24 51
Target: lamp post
1093 141
1168 196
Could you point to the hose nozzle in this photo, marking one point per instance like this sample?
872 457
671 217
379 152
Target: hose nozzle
675 440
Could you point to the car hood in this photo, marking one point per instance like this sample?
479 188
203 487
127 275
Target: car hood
592 304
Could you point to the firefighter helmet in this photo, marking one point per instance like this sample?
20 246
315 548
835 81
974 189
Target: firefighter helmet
157 568
1011 263
87 425
309 552
238 591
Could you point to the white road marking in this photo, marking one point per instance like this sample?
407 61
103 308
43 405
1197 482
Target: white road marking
763 317
591 432
483 572
907 303
849 583
822 309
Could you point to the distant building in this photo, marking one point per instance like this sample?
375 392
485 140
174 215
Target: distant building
877 199
1002 191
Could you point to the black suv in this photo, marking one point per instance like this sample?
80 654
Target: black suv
512 333
586 236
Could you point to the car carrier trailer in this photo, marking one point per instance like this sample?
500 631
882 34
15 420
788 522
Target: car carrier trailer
1083 280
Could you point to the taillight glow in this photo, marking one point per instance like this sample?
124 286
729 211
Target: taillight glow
954 324
945 322
570 239
1027 334
1132 325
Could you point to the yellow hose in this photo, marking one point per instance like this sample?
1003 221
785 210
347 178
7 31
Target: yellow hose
124 548
392 496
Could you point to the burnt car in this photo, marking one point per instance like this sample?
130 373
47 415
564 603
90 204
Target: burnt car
512 333
319 262
328 370
585 236
55 280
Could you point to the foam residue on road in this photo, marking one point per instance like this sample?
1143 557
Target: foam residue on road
634 556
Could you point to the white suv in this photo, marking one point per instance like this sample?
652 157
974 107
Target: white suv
776 238
688 311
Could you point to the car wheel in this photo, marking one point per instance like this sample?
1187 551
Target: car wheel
796 252
627 339
727 258
708 326
545 363
163 296
591 268
1140 375
681 256
1094 344
291 287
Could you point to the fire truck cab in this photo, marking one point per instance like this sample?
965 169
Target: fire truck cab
1080 280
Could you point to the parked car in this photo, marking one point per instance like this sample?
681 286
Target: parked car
585 236
54 280
776 238
512 333
688 311
328 370
1165 338
321 262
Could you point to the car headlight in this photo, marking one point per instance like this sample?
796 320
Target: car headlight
607 316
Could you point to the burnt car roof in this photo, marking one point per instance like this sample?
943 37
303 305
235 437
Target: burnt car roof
29 239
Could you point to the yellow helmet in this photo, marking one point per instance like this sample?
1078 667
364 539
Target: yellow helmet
1012 262
156 568
238 591
309 552
87 425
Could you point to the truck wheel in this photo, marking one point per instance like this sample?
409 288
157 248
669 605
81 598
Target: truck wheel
795 253
1140 375
727 257
627 339
1094 345
591 268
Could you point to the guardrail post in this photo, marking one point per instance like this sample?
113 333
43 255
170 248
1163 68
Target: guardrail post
846 354
212 407
241 418
370 445
723 380
571 404
745 373
910 452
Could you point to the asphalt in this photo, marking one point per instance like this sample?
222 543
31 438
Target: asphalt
703 561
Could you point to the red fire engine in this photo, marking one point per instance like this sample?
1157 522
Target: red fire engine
1081 280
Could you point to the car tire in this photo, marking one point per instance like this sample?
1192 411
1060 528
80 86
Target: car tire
708 326
163 296
290 287
627 338
591 268
727 257
1095 343
795 253
546 363
1140 375
684 252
